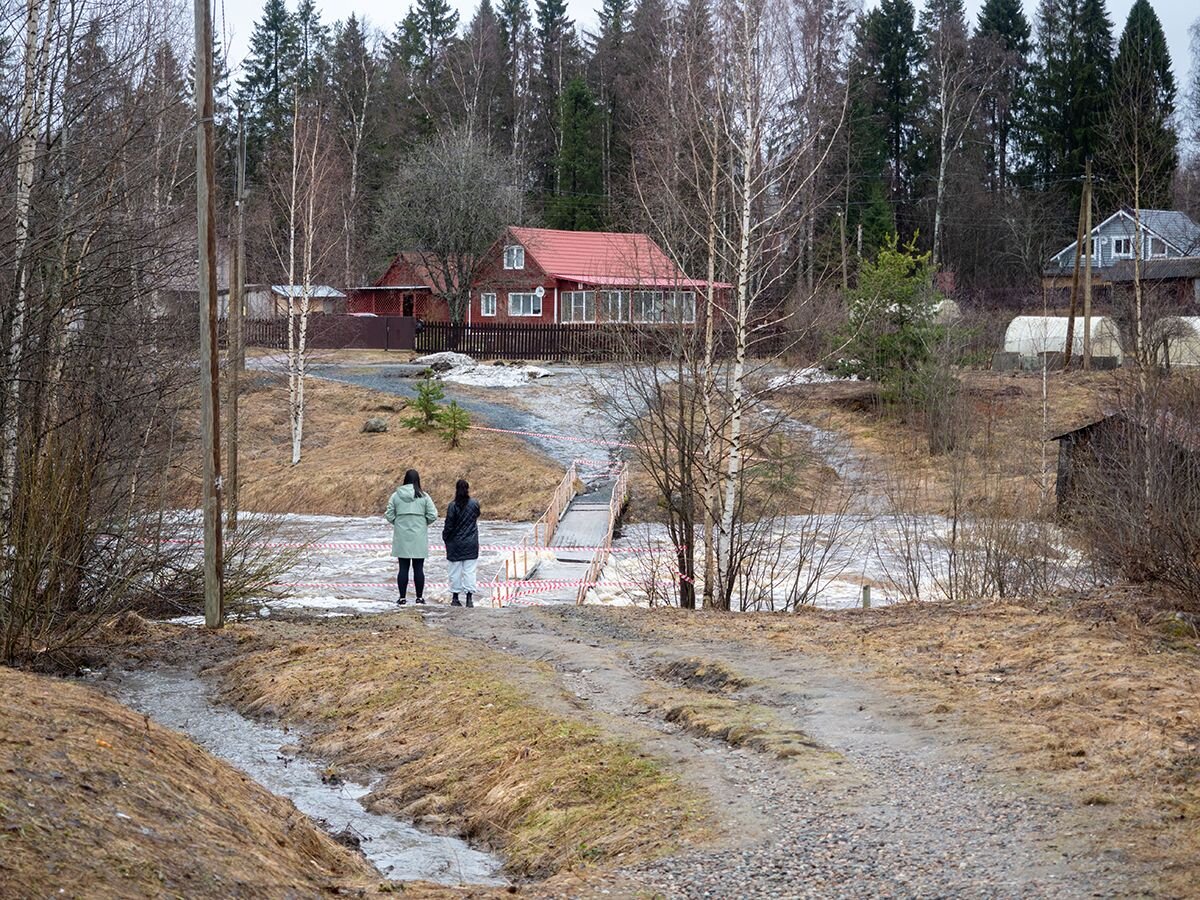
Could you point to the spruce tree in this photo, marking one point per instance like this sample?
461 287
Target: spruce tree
1003 37
558 63
578 202
866 146
312 47
894 54
438 23
265 91
1070 90
1138 129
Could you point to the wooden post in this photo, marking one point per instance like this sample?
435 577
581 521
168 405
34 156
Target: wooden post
866 596
1087 269
210 380
1074 285
842 227
235 351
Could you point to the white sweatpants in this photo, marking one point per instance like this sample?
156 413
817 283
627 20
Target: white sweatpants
462 576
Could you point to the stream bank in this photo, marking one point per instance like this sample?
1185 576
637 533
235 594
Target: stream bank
181 700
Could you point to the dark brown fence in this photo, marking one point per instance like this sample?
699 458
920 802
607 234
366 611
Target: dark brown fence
558 343
336 332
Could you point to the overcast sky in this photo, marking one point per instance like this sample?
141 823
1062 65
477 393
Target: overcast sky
238 17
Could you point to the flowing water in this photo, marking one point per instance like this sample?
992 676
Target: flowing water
180 700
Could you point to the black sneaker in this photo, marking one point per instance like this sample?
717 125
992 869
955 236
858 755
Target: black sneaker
401 602
470 602
420 601
456 602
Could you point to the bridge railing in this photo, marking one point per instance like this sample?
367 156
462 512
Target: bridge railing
600 557
517 563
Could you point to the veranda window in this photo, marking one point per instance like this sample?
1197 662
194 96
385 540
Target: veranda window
579 306
614 306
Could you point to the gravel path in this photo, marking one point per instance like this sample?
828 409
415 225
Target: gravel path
909 809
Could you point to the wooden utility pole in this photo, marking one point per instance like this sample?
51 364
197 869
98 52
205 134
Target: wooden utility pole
210 379
842 226
1074 288
1087 268
236 350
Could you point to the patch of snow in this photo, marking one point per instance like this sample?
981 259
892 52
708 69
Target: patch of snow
443 362
808 375
496 376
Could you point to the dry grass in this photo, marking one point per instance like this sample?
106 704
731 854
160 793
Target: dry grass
345 472
1101 710
737 723
706 674
461 747
1006 445
97 801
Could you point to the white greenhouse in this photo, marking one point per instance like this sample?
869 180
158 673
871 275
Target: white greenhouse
1031 336
1177 339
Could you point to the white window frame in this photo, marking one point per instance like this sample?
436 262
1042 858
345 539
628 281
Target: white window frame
535 305
1150 252
604 306
574 306
514 257
487 300
1122 240
657 301
689 310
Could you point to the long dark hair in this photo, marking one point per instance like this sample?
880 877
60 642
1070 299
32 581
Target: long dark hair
413 477
462 493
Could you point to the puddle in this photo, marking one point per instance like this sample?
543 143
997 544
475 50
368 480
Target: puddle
180 700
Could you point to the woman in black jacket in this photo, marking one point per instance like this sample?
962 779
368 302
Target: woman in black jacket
461 537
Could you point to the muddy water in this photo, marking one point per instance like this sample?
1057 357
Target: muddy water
180 700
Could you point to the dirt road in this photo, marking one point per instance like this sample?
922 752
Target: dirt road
822 785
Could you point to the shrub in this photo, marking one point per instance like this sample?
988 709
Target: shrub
429 393
453 423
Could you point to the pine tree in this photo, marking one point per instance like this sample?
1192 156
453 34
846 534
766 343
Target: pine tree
606 70
577 203
1070 89
1003 37
265 91
1138 126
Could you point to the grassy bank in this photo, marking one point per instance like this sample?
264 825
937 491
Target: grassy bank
461 745
98 801
346 472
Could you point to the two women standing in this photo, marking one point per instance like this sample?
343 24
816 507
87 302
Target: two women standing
411 512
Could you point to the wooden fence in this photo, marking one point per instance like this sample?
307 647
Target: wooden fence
560 343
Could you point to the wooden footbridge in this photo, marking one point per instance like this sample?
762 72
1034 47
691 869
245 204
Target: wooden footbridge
562 557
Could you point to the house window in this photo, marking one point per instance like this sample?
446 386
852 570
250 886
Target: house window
684 307
514 257
1158 248
647 306
487 304
1122 247
579 306
614 306
524 304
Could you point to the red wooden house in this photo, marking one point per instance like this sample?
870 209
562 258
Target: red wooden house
540 275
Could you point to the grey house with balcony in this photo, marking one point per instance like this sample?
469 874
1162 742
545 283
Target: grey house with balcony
1167 243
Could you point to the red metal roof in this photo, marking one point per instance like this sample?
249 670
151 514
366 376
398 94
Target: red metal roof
600 257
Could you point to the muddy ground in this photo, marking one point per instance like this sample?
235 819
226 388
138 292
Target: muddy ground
915 751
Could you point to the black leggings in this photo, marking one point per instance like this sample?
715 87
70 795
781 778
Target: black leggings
418 567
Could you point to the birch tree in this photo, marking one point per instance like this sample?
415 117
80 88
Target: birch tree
306 198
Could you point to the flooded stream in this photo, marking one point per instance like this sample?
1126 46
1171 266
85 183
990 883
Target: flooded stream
180 700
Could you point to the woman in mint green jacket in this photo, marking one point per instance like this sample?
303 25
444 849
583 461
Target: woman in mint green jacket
411 513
